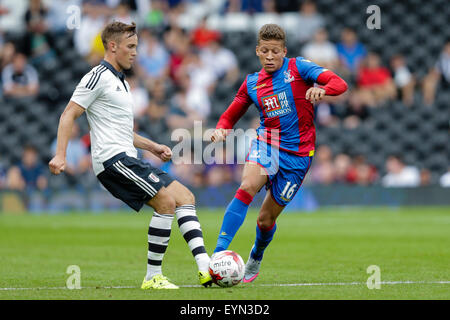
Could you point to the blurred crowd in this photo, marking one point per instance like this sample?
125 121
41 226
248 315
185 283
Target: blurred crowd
179 68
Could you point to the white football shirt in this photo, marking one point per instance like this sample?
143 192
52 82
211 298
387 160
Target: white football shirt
106 96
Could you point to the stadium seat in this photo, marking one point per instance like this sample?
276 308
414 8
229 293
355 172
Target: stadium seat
260 19
437 162
418 133
289 22
47 92
79 68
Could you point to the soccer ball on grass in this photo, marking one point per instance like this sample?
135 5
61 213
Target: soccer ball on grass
226 268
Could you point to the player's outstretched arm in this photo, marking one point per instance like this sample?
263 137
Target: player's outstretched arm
68 117
233 113
331 85
161 151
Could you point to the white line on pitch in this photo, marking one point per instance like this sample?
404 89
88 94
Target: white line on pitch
261 285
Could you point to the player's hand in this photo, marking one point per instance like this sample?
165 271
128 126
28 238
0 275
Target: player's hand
219 135
315 94
57 164
163 152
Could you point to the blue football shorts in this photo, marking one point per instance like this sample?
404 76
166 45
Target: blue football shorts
285 170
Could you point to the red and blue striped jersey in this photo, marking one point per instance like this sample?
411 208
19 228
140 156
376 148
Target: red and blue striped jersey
286 117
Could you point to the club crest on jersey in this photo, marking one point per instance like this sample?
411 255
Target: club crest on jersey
255 154
276 105
288 77
153 177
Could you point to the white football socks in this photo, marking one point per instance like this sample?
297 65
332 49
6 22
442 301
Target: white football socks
192 233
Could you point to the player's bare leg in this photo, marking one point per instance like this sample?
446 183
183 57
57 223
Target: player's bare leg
158 239
253 179
265 229
190 228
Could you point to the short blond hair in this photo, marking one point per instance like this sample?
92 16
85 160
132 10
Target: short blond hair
114 31
272 31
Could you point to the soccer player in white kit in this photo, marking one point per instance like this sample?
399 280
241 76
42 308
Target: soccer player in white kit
105 96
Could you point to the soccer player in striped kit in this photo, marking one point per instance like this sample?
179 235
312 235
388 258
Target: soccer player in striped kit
105 96
284 94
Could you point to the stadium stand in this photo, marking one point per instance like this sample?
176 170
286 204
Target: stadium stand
411 28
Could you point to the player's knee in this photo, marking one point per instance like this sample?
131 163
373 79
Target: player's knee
186 198
165 204
169 206
265 222
249 187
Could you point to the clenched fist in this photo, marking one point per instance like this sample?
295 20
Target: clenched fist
219 135
315 94
163 152
57 164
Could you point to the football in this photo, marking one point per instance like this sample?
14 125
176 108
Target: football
226 268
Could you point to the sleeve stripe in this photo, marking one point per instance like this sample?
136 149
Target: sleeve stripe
98 78
94 78
94 72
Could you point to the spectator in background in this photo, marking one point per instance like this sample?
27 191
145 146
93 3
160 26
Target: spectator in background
400 175
440 73
2 176
444 180
322 170
248 6
374 81
176 9
155 17
220 60
11 15
19 78
361 172
38 41
158 106
29 174
351 52
356 111
58 14
324 53
123 13
78 159
403 79
153 58
90 27
177 43
286 5
188 105
342 165
7 51
326 114
309 21
219 172
202 35
425 177
321 51
140 96
196 82
202 76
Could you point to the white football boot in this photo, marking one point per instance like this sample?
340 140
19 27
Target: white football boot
251 269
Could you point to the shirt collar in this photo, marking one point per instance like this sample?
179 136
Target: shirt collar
119 74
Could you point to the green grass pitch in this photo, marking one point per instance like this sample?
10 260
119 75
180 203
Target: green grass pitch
323 255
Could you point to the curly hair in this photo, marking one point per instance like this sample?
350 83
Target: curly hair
271 32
